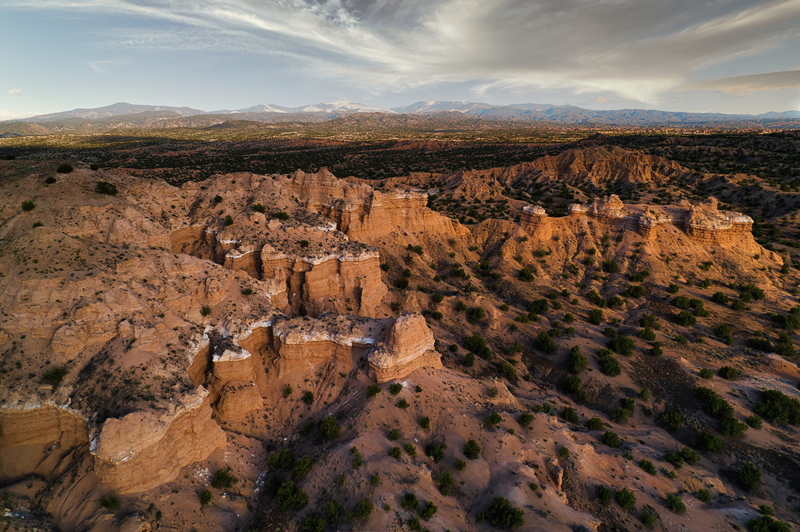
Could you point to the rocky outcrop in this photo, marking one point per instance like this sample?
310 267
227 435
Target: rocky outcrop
365 214
703 223
346 280
39 440
146 449
706 224
408 346
535 222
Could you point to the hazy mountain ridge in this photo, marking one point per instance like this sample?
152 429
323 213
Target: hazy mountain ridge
125 115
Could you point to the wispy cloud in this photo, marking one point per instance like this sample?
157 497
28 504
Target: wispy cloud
15 92
633 49
744 85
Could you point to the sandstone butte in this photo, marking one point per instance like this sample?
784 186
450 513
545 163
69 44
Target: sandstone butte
179 331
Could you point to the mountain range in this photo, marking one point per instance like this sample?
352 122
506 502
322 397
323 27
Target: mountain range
139 115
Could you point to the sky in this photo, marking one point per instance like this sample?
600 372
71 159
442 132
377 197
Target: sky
730 56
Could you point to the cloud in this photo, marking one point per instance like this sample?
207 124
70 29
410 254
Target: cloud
745 85
15 92
633 49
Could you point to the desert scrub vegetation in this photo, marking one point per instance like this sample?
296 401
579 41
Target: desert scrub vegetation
502 513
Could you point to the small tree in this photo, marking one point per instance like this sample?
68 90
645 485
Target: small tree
206 497
472 450
749 476
64 168
329 428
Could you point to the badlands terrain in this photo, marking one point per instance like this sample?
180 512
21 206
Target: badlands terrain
597 334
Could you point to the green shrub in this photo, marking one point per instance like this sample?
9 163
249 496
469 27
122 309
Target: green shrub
545 343
648 466
205 310
778 408
720 298
64 168
621 344
508 371
223 479
308 397
28 205
50 180
526 274
290 497
728 373
53 376
634 291
435 452
610 438
608 364
525 419
704 496
429 510
461 465
572 384
111 501
749 476
672 419
767 524
706 373
626 499
647 518
759 342
708 442
395 388
330 428
754 421
569 414
363 509
373 390
596 316
472 450
595 423
501 512
301 468
103 187
476 315
206 497
402 403
425 422
477 345
396 452
647 334
409 501
281 460
604 494
685 319
493 419
576 361
312 523
675 504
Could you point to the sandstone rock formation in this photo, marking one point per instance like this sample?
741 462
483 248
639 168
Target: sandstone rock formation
408 346
367 215
143 449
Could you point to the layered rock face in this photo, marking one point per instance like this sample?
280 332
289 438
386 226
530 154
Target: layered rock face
535 222
408 346
39 440
347 280
144 450
596 166
365 214
704 223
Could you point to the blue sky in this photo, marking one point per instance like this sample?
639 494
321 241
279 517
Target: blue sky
729 56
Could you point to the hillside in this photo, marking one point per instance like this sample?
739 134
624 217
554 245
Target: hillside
579 341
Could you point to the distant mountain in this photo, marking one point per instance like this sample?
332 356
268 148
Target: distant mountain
125 115
117 109
569 114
